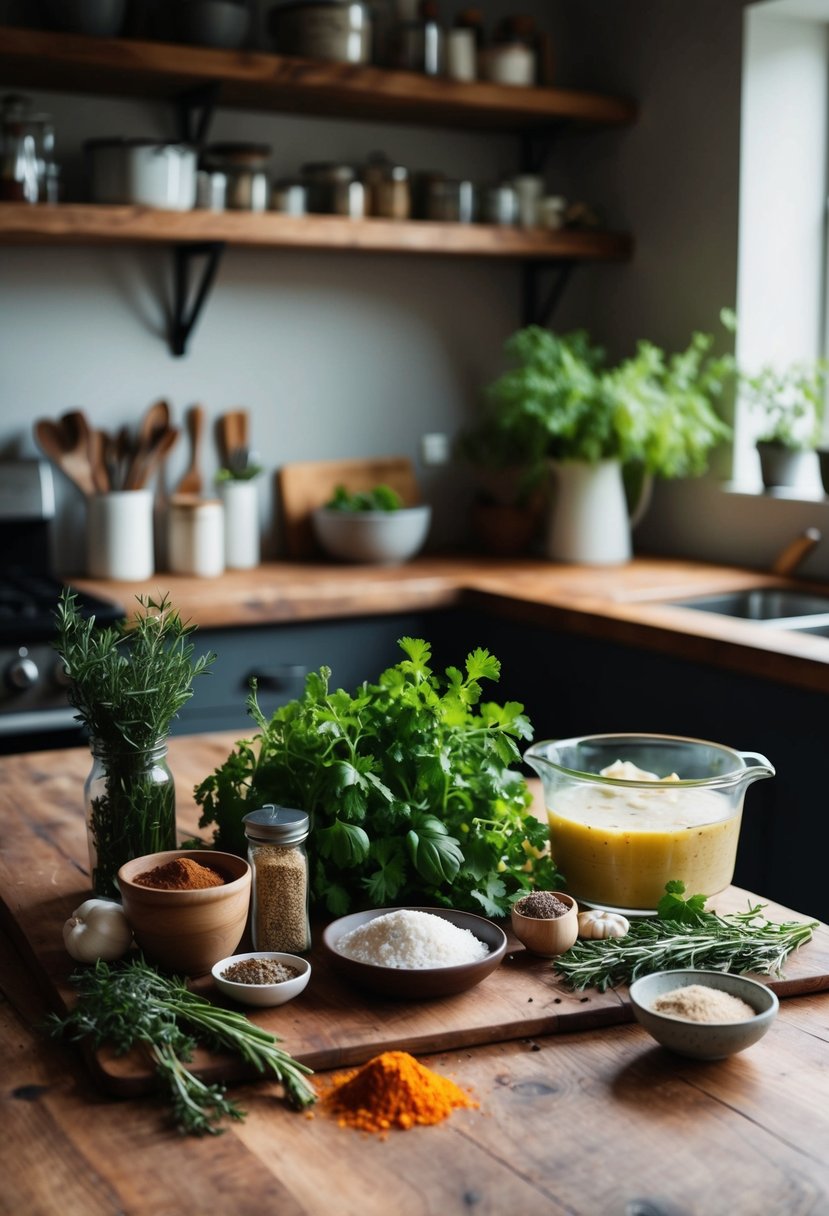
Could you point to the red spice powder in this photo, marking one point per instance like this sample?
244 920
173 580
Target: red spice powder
180 874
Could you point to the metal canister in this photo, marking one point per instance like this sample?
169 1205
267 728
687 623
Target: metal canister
452 201
321 180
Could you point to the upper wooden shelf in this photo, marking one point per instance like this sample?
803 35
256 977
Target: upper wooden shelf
89 224
251 80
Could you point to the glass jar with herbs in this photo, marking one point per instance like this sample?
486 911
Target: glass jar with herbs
127 682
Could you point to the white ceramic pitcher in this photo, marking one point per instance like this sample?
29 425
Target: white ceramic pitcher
589 521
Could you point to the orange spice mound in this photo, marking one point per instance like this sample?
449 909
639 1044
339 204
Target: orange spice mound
393 1090
180 874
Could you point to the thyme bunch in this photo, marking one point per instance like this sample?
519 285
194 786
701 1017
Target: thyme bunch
135 1004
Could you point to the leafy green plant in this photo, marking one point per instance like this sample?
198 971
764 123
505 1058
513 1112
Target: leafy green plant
563 402
684 935
408 785
788 402
127 684
134 1004
379 498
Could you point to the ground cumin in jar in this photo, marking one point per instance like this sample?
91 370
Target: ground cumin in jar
276 852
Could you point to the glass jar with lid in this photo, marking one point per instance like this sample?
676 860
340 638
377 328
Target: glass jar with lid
279 863
247 186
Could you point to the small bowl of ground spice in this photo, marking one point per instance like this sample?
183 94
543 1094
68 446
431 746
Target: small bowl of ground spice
187 907
706 1015
547 922
264 977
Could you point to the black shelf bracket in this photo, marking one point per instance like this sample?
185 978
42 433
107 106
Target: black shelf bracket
536 147
186 311
194 112
538 309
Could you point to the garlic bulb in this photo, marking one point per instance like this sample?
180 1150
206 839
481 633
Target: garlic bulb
97 929
597 924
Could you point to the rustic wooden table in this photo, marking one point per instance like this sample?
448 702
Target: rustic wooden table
600 1121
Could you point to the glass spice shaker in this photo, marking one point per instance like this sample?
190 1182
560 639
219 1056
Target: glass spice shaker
279 863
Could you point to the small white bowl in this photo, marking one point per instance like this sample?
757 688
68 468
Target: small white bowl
378 537
703 1040
263 994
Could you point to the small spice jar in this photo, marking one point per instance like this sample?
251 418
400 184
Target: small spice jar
279 863
196 536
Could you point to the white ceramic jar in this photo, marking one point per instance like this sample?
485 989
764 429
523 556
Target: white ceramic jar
144 172
119 535
196 536
241 507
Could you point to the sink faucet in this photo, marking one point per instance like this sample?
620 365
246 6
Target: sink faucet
795 552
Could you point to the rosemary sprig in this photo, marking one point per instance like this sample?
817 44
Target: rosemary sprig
738 942
128 684
134 1003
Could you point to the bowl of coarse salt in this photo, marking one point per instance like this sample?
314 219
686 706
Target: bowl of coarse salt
414 952
706 1015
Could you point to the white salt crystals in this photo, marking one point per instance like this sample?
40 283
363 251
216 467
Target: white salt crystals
411 940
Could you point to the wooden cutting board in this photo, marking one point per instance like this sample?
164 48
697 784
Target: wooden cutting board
306 485
44 876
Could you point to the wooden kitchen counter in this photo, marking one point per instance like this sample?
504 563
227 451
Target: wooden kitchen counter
623 604
600 1122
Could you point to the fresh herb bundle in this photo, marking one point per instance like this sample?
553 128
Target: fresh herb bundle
407 783
379 498
685 935
127 685
134 1004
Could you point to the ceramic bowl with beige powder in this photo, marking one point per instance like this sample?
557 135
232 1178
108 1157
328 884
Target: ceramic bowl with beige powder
707 1015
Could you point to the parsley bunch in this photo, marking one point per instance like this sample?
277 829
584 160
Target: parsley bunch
407 783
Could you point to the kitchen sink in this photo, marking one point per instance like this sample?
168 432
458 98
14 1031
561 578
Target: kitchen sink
776 606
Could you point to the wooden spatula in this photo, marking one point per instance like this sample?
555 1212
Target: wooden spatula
231 434
71 455
191 482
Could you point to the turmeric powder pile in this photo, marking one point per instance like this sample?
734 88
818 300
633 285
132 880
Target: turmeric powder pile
393 1090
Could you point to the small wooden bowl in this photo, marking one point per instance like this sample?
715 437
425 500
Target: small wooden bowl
187 931
548 936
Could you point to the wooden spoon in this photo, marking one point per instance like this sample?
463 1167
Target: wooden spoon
157 453
191 482
70 456
231 434
76 424
155 422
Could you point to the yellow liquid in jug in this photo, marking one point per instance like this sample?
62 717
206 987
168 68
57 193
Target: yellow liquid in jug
619 848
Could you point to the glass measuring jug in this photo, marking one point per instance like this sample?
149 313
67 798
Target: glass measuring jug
629 813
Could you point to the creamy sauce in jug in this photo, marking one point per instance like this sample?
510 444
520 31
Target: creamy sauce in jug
619 847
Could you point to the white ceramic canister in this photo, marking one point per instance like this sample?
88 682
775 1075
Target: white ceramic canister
119 535
241 506
196 536
461 54
145 172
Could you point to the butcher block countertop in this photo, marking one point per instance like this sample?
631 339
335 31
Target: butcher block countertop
597 1121
625 604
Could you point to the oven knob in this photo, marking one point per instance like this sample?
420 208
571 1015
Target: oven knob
22 673
60 676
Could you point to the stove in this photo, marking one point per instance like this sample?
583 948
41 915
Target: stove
34 711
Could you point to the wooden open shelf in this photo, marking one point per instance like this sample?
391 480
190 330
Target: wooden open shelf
88 224
251 80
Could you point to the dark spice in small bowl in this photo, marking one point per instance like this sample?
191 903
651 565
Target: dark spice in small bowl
259 971
541 905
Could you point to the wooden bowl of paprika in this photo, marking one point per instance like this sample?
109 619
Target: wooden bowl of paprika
187 907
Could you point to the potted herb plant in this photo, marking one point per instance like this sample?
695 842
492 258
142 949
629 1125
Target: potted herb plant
563 408
789 405
127 684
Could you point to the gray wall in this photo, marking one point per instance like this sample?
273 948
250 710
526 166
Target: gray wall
340 355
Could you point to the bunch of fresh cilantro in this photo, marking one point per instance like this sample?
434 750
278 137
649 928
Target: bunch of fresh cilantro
407 783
